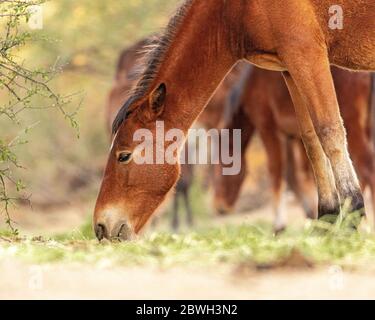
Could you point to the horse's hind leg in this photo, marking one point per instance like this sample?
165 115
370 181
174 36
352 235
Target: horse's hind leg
275 158
189 211
299 178
328 198
175 217
372 188
363 156
318 100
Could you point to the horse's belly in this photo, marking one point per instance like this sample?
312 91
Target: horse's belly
266 61
360 61
355 48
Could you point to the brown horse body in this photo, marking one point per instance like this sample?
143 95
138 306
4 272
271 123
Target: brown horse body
266 105
187 65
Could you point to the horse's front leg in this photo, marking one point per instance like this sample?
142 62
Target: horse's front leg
328 198
311 84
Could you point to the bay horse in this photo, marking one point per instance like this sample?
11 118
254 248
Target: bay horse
212 117
265 106
201 43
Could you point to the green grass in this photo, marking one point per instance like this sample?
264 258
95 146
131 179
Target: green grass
254 244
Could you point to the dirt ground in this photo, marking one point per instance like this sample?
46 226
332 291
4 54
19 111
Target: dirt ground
19 280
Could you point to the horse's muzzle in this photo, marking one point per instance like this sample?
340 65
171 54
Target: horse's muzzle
119 232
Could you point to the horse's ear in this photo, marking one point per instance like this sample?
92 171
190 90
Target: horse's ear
157 100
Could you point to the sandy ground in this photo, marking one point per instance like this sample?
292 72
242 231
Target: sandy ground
19 280
30 221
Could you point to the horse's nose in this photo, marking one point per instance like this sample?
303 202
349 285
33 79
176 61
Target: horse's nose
119 231
101 231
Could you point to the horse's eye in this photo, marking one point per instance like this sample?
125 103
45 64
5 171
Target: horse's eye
124 157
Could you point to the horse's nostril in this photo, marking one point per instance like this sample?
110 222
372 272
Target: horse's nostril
124 232
100 231
119 232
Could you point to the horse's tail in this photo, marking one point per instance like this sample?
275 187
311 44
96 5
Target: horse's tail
236 93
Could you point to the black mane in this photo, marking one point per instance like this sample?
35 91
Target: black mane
151 62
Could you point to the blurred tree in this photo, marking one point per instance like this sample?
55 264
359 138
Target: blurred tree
21 86
90 34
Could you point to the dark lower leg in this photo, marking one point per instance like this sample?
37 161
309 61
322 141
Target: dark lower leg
333 137
189 211
175 219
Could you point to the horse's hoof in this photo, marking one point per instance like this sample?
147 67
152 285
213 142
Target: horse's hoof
357 204
279 230
329 213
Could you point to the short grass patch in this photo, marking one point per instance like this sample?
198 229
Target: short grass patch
233 244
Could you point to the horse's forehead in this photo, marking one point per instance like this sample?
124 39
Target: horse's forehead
121 137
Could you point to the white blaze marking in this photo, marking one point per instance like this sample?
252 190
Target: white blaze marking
113 141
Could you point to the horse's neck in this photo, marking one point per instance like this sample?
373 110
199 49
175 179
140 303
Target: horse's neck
195 64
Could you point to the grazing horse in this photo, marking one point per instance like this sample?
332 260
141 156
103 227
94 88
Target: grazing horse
212 117
186 66
265 106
